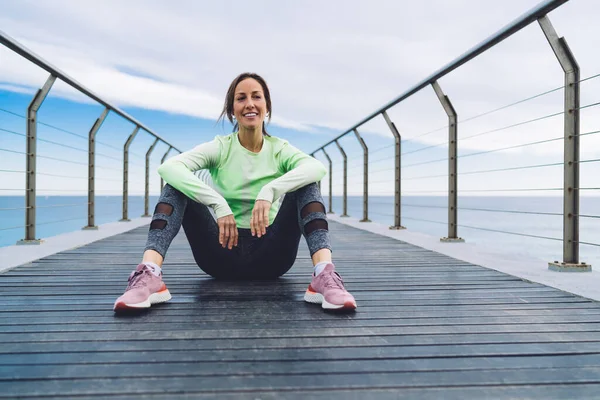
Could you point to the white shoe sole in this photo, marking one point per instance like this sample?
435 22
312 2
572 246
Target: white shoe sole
154 298
317 298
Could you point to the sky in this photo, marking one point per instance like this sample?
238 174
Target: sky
328 65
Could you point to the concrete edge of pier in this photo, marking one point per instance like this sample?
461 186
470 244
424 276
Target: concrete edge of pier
17 255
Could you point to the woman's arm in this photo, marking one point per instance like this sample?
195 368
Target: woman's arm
299 169
179 171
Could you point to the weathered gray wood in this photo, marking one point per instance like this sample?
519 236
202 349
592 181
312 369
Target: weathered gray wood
428 326
262 322
182 315
106 371
285 382
541 392
299 342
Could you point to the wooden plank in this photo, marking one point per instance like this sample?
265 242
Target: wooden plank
379 380
268 321
307 342
217 332
541 392
427 325
220 368
366 306
305 354
174 314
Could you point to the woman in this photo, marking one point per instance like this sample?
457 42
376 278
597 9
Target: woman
253 237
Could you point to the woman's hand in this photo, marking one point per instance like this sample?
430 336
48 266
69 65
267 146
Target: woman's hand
228 233
260 217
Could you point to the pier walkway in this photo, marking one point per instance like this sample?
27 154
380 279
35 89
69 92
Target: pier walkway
427 326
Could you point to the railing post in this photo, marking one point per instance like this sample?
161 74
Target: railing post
365 177
330 211
126 174
92 171
571 152
318 183
452 165
162 160
30 159
147 184
345 198
398 177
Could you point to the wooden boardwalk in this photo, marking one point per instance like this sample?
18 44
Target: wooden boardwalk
427 326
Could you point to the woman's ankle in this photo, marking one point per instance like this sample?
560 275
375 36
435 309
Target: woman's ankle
154 257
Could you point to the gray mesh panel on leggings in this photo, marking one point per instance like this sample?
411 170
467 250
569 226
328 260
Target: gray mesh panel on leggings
160 235
312 218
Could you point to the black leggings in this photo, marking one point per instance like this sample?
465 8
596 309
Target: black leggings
270 256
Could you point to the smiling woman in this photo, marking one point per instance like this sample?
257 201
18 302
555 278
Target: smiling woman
248 97
254 236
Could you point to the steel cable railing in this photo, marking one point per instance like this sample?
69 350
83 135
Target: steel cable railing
510 233
471 168
487 210
58 156
12 132
462 139
373 172
10 228
510 147
589 244
62 130
466 155
13 208
12 151
478 228
437 160
561 164
475 117
2 130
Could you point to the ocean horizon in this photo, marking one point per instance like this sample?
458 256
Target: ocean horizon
478 219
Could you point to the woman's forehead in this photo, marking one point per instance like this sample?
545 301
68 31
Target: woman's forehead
248 85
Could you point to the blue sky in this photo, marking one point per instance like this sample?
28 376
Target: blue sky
328 66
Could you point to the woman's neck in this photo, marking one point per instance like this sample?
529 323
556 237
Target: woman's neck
251 139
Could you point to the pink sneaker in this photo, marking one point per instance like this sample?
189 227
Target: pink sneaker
143 289
327 289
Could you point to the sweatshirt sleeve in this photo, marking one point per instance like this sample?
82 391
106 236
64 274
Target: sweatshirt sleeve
299 169
179 171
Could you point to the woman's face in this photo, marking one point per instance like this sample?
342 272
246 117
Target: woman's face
249 105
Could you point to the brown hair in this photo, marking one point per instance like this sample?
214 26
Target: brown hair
228 106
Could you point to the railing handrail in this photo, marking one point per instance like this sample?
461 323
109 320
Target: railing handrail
18 48
571 135
521 22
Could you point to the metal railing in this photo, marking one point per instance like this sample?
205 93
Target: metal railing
32 155
571 153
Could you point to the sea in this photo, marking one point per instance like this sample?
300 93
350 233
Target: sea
531 226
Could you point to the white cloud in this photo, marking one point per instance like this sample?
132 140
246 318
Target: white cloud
328 64
17 89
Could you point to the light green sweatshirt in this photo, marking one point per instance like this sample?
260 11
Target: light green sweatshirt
240 176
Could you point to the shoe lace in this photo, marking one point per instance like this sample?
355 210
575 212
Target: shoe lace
334 281
136 279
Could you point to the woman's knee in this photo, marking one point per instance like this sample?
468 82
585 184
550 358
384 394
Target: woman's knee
308 193
169 210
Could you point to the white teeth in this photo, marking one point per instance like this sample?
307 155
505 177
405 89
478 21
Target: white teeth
250 115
